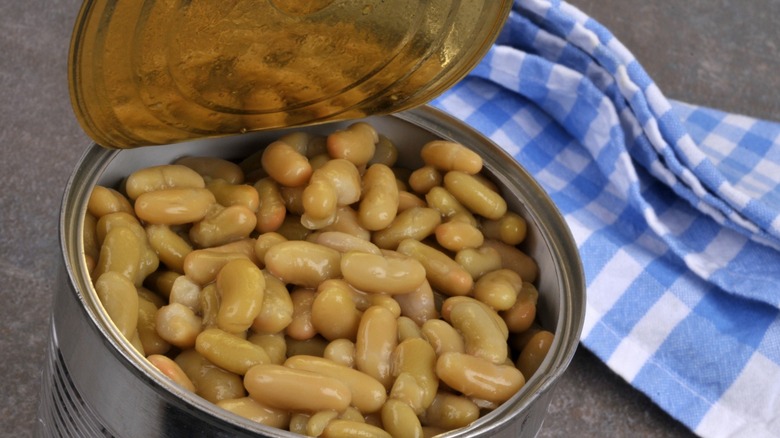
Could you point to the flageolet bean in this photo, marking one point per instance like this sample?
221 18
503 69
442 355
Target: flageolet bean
414 223
456 236
368 394
229 351
356 143
440 199
265 241
241 287
498 289
209 305
202 265
115 220
339 428
443 273
273 344
293 199
281 387
271 209
400 420
121 252
474 195
408 200
515 259
211 382
228 194
319 201
174 206
417 358
276 311
303 263
213 168
448 304
167 176
482 337
425 178
241 246
391 274
408 329
345 179
333 312
347 222
479 378
223 225
379 200
161 282
118 296
385 152
293 229
170 247
248 408
533 354
449 411
522 314
301 327
286 165
479 261
187 292
442 336
419 305
318 421
376 340
341 351
105 200
448 155
510 228
172 370
344 242
178 324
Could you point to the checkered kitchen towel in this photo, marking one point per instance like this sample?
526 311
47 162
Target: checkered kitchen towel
675 208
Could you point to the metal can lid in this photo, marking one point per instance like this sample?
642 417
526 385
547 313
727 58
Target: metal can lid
161 72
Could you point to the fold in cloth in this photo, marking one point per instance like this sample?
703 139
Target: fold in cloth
675 209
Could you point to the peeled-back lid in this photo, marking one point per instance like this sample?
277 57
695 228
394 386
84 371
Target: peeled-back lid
151 72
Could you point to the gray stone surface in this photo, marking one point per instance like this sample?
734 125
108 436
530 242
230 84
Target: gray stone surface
712 52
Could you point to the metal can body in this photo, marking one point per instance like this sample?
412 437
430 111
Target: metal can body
95 384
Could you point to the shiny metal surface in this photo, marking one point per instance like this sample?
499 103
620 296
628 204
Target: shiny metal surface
99 384
158 72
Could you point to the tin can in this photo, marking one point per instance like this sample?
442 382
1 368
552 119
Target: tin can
96 384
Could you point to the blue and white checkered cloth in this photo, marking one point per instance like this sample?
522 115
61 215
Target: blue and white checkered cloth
675 209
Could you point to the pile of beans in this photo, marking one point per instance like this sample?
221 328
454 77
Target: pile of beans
317 287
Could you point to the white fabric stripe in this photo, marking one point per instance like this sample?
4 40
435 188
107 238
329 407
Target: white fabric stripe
750 407
647 335
718 253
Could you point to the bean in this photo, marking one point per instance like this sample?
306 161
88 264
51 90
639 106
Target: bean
440 199
265 241
425 178
148 295
229 351
352 429
479 261
161 282
293 199
533 354
456 235
298 423
122 253
241 286
242 246
449 411
368 394
419 305
344 242
333 313
303 263
481 336
498 289
341 351
399 420
379 201
170 247
318 421
156 178
223 225
248 408
286 165
347 222
293 229
273 344
356 143
276 311
314 346
443 273
407 329
510 228
300 141
345 179
301 327
417 358
319 200
211 382
271 208
414 223
474 195
522 314
228 194
407 200
202 265
209 305
451 302
105 200
442 336
174 206
385 152
376 340
118 219
178 324
477 377
515 259
448 155
281 387
171 370
213 168
187 292
119 298
382 274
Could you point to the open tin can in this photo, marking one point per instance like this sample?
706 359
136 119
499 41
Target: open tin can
97 384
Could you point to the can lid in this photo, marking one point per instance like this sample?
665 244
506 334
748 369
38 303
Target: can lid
160 72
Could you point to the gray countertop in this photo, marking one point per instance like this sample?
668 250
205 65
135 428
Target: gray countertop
717 53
